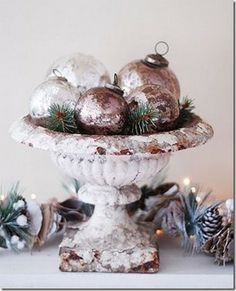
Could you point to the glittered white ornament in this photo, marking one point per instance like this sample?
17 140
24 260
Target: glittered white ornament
54 91
14 239
19 204
21 220
21 244
82 71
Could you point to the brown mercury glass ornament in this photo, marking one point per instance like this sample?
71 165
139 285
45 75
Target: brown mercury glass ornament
102 110
153 69
159 99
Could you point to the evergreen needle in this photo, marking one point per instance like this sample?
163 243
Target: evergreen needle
12 207
61 118
186 108
142 120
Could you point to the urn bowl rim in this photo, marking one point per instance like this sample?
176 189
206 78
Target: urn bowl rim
194 133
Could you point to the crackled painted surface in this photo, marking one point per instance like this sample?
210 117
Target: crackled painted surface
195 133
110 241
109 169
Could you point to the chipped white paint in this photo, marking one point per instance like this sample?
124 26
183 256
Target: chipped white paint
25 131
167 139
109 169
110 240
201 128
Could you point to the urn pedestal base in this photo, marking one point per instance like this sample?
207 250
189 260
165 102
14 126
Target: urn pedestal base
110 241
104 255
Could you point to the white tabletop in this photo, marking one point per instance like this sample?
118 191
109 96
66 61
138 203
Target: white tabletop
40 270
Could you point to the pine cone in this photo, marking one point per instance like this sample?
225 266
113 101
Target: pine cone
221 245
210 223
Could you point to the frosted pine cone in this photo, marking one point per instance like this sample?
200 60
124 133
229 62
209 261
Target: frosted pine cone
221 245
210 223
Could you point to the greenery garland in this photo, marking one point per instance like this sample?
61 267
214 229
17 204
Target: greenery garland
14 221
200 225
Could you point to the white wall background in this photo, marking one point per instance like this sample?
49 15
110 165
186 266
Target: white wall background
34 33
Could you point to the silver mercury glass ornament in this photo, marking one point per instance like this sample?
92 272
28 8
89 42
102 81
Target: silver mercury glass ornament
82 71
153 69
56 90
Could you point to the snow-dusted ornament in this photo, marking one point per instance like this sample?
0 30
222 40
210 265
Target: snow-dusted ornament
19 204
21 220
21 244
14 239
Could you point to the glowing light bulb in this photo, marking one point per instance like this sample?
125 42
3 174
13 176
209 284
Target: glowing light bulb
193 189
186 181
159 232
2 197
33 196
198 199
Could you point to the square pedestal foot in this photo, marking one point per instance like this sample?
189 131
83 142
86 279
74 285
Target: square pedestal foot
94 256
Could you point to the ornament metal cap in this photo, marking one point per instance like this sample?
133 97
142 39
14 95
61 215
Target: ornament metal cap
114 86
157 59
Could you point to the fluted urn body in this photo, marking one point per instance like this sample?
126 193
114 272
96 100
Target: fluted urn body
110 170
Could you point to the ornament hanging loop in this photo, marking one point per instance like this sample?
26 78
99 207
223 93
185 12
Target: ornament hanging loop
115 82
158 45
58 75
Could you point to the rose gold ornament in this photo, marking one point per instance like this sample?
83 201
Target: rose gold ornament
158 98
153 69
102 110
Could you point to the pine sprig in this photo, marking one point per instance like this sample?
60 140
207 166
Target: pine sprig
61 118
186 108
142 120
14 221
72 186
193 228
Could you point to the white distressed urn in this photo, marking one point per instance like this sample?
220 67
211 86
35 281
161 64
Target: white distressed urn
110 170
